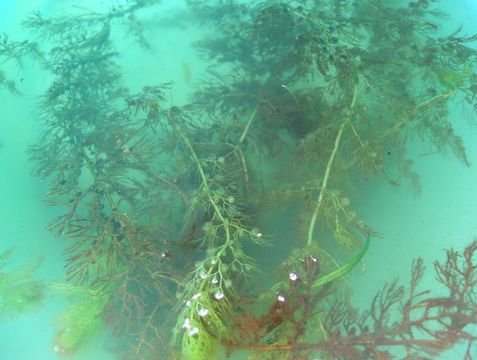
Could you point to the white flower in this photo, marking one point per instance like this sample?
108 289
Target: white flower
203 275
188 303
186 324
259 234
215 280
313 259
219 296
281 298
213 261
195 296
203 312
193 331
293 276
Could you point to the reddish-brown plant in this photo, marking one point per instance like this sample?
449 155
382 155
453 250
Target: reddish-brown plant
401 322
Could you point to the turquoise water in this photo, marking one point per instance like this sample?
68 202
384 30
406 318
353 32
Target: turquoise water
443 215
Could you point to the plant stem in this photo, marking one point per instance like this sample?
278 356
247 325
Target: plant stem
247 126
209 196
324 184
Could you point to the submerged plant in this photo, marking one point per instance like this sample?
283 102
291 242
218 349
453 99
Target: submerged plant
20 292
402 322
82 322
166 207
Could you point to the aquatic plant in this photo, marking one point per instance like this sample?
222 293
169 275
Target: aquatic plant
101 167
402 322
321 80
81 323
20 292
165 205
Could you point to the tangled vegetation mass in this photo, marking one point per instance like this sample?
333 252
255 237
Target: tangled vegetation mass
163 204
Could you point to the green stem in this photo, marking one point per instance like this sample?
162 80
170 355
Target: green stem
247 126
324 184
209 195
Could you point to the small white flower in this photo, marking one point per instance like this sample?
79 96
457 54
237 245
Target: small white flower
215 280
203 312
213 261
195 296
188 303
281 298
314 259
163 255
186 324
219 296
194 331
293 276
203 275
259 234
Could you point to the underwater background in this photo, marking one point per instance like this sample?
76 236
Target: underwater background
442 216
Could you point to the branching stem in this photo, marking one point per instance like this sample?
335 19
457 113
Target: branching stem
324 184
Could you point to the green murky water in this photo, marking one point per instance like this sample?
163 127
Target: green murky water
198 179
